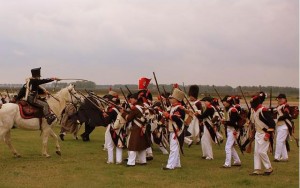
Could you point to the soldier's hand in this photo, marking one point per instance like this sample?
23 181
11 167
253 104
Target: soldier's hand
166 114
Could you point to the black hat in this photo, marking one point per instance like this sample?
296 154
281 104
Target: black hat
194 91
281 96
262 95
215 102
146 94
255 101
134 95
237 99
228 99
209 99
156 104
36 72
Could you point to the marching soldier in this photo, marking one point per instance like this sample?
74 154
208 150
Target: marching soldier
159 134
115 130
209 135
146 97
194 126
137 140
283 128
175 119
264 126
231 124
218 122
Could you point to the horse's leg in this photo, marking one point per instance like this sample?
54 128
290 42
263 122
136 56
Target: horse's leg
45 136
7 139
54 136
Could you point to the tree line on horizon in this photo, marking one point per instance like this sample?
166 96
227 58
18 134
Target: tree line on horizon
203 89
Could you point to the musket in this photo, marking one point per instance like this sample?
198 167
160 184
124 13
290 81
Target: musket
272 136
167 98
159 93
96 105
128 90
124 96
91 94
7 94
183 87
101 99
163 106
217 93
249 140
244 98
270 105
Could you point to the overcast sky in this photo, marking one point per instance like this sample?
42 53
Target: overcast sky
204 42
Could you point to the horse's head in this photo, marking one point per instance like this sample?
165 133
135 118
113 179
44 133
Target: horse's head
73 95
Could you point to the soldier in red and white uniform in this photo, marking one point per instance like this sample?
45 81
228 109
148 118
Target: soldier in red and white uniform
230 122
194 126
283 127
137 142
209 134
175 125
146 97
113 135
264 127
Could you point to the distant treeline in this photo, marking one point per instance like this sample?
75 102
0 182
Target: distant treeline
207 90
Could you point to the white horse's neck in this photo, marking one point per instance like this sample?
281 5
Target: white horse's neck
58 103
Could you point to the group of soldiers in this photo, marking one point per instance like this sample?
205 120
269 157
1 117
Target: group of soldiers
173 119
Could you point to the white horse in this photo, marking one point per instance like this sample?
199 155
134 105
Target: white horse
10 116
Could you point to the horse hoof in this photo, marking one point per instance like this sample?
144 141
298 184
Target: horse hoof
47 155
17 155
58 153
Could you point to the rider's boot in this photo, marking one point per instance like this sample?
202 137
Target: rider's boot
50 118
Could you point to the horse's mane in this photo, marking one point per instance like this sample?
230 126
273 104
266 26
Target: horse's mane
62 96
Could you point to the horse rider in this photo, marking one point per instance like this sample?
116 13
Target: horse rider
35 94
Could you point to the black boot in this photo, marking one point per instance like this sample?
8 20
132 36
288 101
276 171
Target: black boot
50 118
61 135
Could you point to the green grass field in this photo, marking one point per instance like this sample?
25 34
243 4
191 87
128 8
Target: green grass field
83 165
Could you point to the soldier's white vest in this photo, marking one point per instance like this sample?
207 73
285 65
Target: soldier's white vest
280 110
259 124
170 127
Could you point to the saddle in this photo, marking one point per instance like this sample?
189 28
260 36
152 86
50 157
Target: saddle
28 111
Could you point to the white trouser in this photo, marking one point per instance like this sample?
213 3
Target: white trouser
163 150
139 156
281 151
260 152
110 149
206 144
188 140
174 156
149 152
105 135
230 150
194 129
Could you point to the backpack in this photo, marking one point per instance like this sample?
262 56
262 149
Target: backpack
294 111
